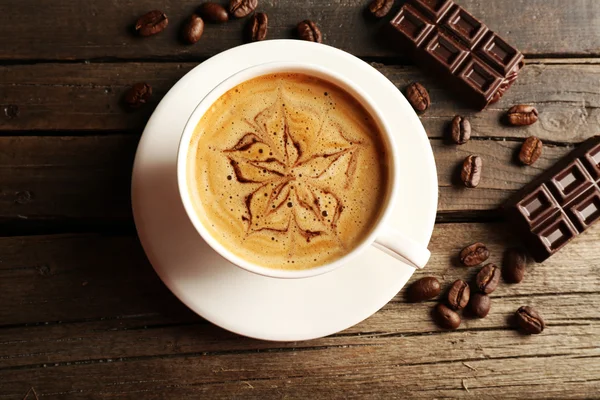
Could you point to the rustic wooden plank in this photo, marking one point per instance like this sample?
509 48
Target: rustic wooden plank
72 277
86 179
88 97
29 30
81 96
85 315
371 369
90 265
571 320
67 178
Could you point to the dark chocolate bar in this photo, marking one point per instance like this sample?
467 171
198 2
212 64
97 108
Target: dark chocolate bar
559 204
450 42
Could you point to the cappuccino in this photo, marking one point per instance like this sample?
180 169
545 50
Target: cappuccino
288 171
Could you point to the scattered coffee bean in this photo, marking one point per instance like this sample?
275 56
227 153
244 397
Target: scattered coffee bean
470 173
257 28
522 115
380 8
529 320
138 95
460 130
193 29
309 31
531 150
474 254
480 305
242 8
418 97
488 278
458 296
424 289
151 23
213 12
513 267
445 317
11 111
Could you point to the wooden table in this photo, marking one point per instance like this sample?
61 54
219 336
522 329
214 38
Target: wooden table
82 313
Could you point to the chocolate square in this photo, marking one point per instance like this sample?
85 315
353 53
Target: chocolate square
446 51
586 209
537 206
592 162
499 54
412 25
434 9
570 182
553 234
480 77
465 27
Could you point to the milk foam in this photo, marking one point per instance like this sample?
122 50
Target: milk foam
288 171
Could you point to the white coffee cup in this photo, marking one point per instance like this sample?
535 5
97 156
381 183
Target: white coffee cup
382 235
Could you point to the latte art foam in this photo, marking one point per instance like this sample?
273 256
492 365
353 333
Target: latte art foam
288 171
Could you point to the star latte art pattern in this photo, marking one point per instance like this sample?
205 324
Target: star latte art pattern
298 182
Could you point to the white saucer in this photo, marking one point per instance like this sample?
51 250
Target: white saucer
253 305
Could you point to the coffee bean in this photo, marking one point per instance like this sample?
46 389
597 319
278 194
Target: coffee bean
474 254
488 278
460 129
418 97
424 289
257 27
11 111
445 317
531 150
513 267
309 31
213 12
193 29
480 305
151 23
380 8
529 320
470 173
522 115
458 296
138 95
241 8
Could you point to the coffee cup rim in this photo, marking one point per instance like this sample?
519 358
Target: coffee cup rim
281 67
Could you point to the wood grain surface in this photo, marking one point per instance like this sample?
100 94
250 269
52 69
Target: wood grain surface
84 316
120 332
102 30
84 97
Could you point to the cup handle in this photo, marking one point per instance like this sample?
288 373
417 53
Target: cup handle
394 243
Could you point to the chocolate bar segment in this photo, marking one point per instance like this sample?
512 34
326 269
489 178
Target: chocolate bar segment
465 27
434 9
413 26
552 235
572 181
592 161
587 210
499 54
537 206
445 51
450 42
560 204
480 79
